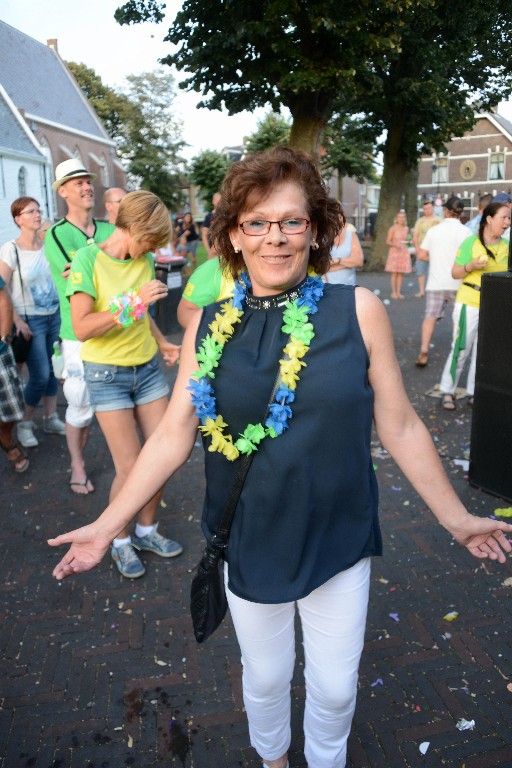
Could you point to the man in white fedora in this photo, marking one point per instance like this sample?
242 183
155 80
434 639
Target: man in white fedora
76 230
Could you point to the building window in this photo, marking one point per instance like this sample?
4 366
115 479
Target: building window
440 170
22 181
497 166
104 172
78 156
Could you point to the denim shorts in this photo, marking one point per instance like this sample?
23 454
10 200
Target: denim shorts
421 267
116 387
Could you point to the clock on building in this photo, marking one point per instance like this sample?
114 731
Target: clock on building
467 169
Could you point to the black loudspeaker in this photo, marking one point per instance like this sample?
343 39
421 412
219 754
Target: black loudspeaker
490 466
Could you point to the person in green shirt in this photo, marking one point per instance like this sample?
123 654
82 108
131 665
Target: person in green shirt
206 285
482 253
76 230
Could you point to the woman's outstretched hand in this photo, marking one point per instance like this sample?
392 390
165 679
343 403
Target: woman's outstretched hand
87 549
484 537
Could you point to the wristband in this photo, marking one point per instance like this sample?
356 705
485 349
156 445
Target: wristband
126 308
467 271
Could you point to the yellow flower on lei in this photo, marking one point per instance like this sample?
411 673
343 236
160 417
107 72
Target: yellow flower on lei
213 425
295 348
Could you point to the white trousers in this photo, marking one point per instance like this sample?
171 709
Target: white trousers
447 383
333 621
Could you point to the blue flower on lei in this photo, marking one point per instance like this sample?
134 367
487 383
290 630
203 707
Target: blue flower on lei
242 285
311 292
278 418
284 395
203 399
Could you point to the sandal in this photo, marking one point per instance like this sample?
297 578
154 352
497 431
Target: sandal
422 360
16 457
448 402
81 485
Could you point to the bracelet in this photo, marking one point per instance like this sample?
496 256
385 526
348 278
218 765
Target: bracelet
467 271
126 308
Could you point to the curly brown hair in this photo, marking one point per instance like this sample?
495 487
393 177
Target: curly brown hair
252 179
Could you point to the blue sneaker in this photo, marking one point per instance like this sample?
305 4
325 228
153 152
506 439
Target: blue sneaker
158 544
127 561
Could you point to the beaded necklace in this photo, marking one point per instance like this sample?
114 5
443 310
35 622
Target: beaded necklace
296 324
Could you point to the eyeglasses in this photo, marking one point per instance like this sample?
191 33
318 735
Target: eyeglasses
291 226
31 212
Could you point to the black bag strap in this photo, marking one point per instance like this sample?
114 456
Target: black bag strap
21 280
220 537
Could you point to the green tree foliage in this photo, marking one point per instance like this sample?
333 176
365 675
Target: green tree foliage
299 53
425 93
349 144
154 136
141 121
411 67
207 171
272 130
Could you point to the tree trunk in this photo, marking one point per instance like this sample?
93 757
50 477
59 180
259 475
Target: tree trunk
310 116
392 194
411 195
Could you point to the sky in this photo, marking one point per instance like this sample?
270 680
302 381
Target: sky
87 32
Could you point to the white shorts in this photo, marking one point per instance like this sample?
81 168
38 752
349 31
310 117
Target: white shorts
79 412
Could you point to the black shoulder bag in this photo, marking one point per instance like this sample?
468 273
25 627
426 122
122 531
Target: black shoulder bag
208 602
20 345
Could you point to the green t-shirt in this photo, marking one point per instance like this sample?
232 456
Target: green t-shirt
61 243
208 284
423 225
100 276
470 249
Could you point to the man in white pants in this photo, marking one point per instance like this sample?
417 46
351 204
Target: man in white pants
439 248
78 229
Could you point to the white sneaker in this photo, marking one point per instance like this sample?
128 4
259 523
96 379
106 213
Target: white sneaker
25 433
52 425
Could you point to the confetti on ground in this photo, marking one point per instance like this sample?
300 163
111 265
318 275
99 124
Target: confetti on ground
465 725
378 681
461 463
163 503
424 746
451 616
130 742
394 616
509 687
507 582
386 581
507 512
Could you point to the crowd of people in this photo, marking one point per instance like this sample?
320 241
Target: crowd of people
288 348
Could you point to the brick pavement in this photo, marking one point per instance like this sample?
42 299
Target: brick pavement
98 672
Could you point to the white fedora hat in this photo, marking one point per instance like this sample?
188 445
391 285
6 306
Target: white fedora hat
70 169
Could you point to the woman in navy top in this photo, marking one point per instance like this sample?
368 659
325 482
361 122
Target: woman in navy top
293 371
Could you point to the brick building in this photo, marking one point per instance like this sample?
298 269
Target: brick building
58 116
479 162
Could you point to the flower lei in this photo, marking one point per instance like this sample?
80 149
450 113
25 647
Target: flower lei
296 324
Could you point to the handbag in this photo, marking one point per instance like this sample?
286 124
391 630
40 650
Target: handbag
20 345
208 602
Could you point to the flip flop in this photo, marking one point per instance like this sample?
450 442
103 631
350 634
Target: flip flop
80 485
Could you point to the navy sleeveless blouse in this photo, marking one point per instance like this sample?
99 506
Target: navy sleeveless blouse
308 509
